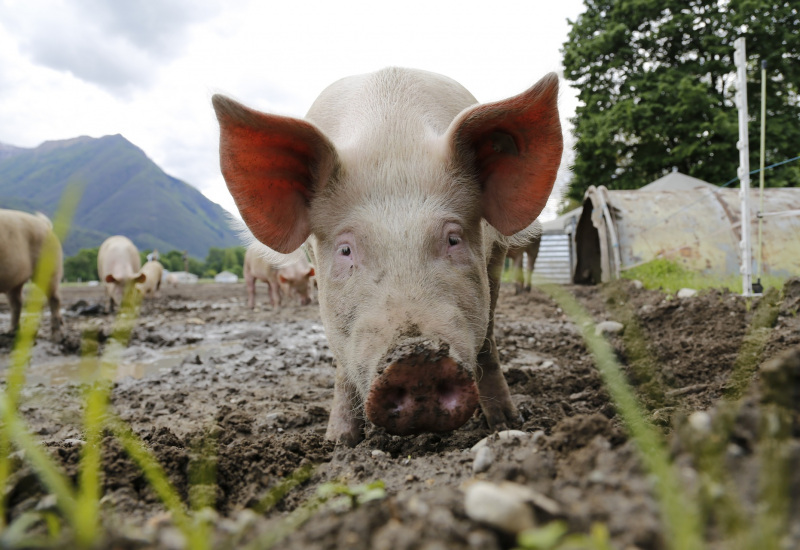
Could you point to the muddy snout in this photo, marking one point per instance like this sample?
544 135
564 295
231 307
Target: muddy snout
421 389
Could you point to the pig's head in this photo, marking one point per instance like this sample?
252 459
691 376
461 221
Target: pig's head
394 218
297 284
121 286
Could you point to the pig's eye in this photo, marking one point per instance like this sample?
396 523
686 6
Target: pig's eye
453 240
344 250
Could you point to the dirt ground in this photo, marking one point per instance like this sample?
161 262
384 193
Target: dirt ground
206 381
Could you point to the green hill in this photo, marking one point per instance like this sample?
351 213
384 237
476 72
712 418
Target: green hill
123 193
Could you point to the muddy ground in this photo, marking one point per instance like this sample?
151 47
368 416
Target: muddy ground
207 382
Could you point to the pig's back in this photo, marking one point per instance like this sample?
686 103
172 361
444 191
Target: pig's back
118 256
21 237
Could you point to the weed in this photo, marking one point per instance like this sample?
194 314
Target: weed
670 276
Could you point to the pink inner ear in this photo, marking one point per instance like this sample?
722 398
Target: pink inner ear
516 145
272 166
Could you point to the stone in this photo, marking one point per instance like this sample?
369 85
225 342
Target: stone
505 434
686 293
499 506
608 327
483 459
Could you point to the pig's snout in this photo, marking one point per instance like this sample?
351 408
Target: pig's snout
421 390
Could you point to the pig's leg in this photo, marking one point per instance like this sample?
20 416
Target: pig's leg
250 282
519 274
495 398
346 422
54 299
533 253
274 294
15 302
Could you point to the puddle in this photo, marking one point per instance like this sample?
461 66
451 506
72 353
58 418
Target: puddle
139 363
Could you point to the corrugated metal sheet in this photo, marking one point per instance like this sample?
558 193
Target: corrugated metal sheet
554 262
695 224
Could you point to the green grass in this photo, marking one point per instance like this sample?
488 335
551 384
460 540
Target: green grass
670 276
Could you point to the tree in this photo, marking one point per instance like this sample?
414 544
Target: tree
82 266
656 83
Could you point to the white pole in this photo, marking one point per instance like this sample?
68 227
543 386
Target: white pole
759 288
740 60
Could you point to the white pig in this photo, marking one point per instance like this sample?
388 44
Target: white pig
119 266
293 280
407 192
522 277
153 271
23 239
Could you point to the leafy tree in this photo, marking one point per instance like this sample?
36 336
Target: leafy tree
656 82
82 266
225 259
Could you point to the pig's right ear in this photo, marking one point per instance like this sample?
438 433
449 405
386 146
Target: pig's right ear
272 166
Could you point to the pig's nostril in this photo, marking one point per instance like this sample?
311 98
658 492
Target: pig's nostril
396 399
448 395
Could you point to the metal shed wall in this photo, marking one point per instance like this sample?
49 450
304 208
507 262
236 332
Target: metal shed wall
697 225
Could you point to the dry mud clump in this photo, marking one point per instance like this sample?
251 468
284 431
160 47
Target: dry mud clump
234 402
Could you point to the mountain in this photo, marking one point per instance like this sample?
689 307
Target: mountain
122 192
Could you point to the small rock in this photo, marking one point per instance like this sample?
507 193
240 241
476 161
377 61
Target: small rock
700 421
48 503
686 293
637 284
498 506
483 459
608 327
505 434
377 453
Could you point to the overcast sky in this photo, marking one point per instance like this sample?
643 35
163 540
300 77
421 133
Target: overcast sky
147 69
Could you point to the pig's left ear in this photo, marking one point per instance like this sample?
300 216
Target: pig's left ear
272 165
515 148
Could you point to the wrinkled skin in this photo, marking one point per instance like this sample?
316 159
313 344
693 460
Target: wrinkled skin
522 277
406 191
292 280
23 239
119 266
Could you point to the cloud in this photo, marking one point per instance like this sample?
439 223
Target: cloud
118 46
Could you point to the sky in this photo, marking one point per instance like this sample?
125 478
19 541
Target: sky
147 69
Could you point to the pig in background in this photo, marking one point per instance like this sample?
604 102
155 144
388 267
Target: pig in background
293 280
408 194
23 239
119 267
522 276
154 272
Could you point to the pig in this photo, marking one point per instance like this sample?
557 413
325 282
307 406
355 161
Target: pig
24 238
153 271
292 279
119 266
296 280
408 193
522 277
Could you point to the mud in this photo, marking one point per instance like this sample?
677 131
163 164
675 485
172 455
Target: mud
233 402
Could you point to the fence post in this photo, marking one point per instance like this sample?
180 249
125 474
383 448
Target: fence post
740 60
